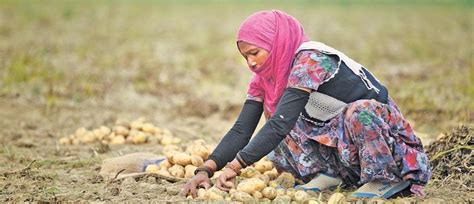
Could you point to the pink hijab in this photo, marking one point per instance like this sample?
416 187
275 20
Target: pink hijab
280 34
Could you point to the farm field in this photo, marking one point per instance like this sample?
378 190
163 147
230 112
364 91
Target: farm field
71 64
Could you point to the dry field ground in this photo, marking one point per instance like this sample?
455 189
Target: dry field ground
71 64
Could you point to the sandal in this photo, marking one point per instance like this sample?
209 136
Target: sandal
320 182
377 189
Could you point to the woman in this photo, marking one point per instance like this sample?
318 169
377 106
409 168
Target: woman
329 120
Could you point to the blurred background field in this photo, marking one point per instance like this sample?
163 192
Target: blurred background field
68 64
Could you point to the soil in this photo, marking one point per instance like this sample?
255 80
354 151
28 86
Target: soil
35 168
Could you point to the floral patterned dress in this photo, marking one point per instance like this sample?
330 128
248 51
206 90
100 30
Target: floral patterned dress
367 141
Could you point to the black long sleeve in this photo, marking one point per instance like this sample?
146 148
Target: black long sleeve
239 135
277 127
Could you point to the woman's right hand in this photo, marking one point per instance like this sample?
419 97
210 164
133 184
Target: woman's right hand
201 179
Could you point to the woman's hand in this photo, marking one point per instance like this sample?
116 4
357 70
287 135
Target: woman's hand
201 179
226 180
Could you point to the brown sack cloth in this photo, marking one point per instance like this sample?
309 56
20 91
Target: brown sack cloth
130 164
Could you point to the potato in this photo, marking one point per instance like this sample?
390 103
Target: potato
119 139
153 168
121 130
166 140
177 171
176 140
257 195
196 160
148 128
263 166
181 158
137 125
281 192
269 192
273 184
242 197
251 185
272 174
165 164
264 178
249 172
80 131
189 171
140 138
337 198
202 194
65 141
87 137
282 199
164 173
200 150
286 180
300 196
169 155
215 194
291 192
311 201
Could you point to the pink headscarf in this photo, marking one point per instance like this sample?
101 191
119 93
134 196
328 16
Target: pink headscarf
280 34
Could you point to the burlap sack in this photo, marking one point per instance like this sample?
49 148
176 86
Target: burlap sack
129 163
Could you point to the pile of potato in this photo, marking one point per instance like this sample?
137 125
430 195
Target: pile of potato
260 183
181 163
136 132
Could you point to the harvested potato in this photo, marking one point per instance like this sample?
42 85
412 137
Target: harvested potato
337 198
196 160
280 192
119 139
242 197
282 199
272 174
140 138
232 191
264 178
269 192
311 201
291 192
300 196
148 128
189 171
181 158
257 195
263 166
87 137
202 194
169 155
251 185
273 184
164 173
165 164
80 131
177 171
65 141
215 194
249 172
121 130
200 150
286 180
153 168
166 140
137 125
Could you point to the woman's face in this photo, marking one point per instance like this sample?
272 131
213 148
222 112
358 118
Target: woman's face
254 55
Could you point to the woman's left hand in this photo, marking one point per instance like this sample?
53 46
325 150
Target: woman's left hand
226 180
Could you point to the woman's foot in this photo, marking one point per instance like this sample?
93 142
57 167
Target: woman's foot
321 182
377 189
